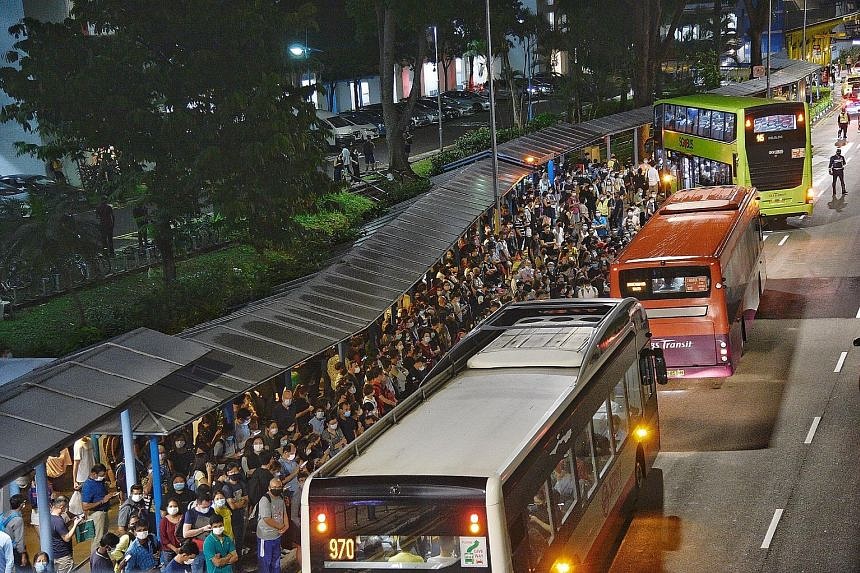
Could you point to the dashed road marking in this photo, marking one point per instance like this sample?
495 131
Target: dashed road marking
811 434
784 239
858 313
771 529
840 362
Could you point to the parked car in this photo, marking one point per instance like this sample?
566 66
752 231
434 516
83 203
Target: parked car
448 111
465 108
364 116
367 129
340 131
478 102
42 185
430 111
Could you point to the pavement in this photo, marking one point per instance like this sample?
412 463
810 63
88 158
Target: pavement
759 472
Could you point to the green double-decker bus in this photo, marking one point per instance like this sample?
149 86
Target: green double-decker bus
709 139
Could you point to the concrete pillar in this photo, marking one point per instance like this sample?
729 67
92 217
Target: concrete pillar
636 146
128 450
156 482
44 501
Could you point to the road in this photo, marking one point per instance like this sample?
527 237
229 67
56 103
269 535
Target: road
760 472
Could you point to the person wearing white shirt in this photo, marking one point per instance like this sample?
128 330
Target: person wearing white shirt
82 460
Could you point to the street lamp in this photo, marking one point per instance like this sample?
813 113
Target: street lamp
498 207
769 32
438 84
297 50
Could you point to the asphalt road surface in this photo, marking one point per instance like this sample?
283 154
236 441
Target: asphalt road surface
760 472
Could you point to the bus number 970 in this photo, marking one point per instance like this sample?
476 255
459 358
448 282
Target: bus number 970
341 549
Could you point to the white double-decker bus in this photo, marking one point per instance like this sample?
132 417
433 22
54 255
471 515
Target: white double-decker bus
520 452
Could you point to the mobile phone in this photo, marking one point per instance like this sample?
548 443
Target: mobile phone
127 557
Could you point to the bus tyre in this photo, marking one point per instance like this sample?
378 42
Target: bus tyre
639 476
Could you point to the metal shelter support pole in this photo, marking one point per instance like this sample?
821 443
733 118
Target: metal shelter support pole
341 351
497 221
607 140
156 482
128 450
769 33
94 439
44 501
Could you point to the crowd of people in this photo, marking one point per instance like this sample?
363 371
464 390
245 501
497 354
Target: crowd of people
231 485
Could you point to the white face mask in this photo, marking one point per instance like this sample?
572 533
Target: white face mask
291 457
218 530
141 535
180 444
258 448
218 503
136 497
273 432
172 510
320 415
332 426
288 401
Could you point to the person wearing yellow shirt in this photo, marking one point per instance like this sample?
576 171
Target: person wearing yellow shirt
219 502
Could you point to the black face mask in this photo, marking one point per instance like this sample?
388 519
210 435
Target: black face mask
277 492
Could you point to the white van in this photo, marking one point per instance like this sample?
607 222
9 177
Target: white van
340 131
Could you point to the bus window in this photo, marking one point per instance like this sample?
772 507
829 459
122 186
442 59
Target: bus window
681 118
654 283
705 123
600 438
692 120
729 134
618 404
669 116
584 462
540 524
718 125
634 392
564 486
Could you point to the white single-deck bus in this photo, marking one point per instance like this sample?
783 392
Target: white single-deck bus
519 453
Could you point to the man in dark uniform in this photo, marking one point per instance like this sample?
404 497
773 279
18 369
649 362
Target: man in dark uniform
837 170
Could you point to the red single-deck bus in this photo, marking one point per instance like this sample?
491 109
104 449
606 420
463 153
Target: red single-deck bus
698 268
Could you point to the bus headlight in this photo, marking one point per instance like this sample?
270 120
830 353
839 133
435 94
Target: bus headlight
561 566
474 524
641 432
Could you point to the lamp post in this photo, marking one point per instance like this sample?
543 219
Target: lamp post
497 224
303 51
438 84
804 31
769 32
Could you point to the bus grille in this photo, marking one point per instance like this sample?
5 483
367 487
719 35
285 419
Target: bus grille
770 175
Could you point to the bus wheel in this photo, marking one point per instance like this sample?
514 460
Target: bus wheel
639 475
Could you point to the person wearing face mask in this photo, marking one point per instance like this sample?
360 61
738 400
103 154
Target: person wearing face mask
290 465
416 375
317 423
253 453
347 424
196 526
144 553
235 490
304 409
218 549
273 521
95 500
181 562
40 562
220 507
332 436
272 436
242 431
169 529
285 412
134 505
100 560
179 492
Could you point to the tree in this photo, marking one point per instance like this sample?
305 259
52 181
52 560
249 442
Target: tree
53 241
193 95
757 13
649 44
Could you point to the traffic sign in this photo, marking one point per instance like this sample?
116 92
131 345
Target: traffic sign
758 71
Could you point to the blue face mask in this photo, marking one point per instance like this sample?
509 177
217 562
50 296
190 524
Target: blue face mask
179 486
41 567
347 414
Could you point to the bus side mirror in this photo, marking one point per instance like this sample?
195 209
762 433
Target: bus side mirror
645 367
660 366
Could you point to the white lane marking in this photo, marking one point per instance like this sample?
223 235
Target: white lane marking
771 529
784 239
765 237
840 362
802 217
815 421
858 313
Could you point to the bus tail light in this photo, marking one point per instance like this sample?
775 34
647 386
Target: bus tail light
321 522
810 195
474 523
748 123
800 118
641 432
562 566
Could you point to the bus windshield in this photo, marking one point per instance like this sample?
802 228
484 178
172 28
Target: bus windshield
655 283
424 533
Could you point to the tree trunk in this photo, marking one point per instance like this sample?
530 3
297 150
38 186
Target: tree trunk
516 100
356 92
445 72
718 30
643 87
755 48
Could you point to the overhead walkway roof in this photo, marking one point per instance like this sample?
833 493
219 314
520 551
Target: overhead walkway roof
793 71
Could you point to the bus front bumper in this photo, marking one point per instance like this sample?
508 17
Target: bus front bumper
794 210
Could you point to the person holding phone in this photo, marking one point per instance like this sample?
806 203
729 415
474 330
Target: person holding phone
144 553
62 533
95 500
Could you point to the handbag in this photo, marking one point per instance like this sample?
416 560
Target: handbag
85 531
